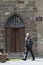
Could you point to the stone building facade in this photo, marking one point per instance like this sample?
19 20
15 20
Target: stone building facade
39 5
27 10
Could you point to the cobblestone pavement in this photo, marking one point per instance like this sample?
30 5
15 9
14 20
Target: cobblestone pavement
22 62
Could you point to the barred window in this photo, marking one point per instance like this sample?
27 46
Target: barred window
15 22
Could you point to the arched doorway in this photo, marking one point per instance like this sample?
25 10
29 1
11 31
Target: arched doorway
15 34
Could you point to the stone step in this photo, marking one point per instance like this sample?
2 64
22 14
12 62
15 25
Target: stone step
16 55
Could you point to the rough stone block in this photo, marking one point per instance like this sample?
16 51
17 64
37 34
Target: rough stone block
2 58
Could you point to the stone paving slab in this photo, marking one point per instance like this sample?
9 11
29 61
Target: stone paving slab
38 61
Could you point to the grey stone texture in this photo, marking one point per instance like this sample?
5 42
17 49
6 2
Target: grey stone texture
25 10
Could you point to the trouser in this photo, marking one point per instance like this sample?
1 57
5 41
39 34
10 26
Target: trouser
31 51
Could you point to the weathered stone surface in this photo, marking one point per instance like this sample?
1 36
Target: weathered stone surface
26 13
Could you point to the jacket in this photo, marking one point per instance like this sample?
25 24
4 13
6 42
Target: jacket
29 42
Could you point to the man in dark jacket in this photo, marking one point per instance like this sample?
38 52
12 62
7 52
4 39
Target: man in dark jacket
28 45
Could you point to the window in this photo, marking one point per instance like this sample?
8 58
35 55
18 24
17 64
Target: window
15 22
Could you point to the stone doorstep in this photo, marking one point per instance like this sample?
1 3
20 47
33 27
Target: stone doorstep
16 55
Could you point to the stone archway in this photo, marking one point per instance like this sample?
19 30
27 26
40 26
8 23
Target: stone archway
15 34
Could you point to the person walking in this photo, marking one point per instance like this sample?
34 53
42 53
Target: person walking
28 45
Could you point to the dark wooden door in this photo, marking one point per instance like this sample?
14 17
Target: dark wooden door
15 39
10 40
20 39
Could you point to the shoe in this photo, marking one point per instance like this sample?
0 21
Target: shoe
33 59
23 59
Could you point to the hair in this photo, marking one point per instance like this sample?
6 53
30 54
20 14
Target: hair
27 34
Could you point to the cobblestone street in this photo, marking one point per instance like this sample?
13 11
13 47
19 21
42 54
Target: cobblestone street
21 62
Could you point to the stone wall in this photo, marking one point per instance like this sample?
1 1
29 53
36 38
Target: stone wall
39 5
26 9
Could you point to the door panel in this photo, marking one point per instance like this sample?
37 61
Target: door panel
20 39
12 45
15 39
8 39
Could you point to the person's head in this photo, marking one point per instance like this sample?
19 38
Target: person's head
27 35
